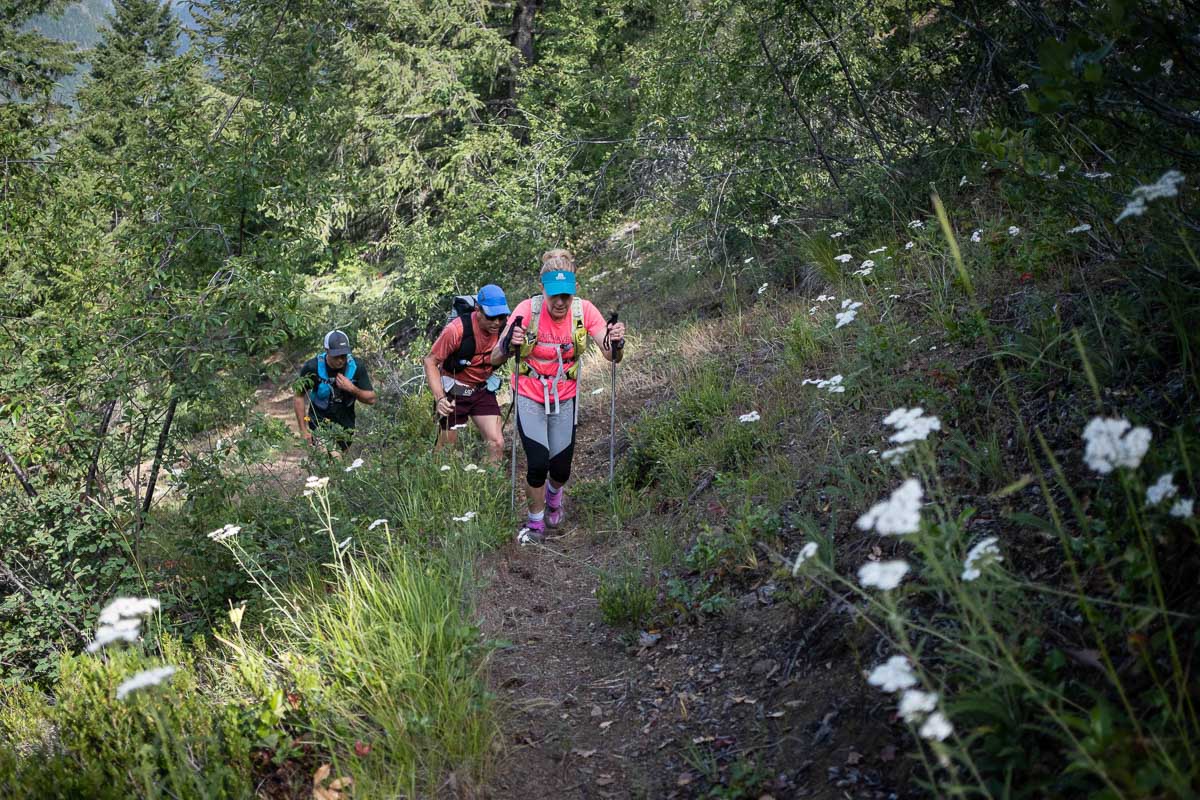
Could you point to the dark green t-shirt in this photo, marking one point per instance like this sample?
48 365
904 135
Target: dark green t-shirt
341 404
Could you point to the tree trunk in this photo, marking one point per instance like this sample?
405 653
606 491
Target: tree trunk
21 477
862 108
157 463
91 475
791 96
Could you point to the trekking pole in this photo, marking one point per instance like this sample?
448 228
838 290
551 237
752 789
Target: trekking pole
613 348
512 409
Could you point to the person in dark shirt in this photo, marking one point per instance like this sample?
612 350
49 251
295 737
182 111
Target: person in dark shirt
327 389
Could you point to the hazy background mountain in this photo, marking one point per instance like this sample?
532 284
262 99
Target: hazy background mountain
83 22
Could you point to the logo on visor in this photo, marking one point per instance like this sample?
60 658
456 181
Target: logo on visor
560 277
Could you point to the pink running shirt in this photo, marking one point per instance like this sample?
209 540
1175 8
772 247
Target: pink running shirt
551 333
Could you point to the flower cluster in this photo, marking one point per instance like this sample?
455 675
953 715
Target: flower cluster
985 552
848 313
885 575
808 551
358 462
467 517
144 679
866 269
833 385
1163 489
1166 186
314 484
900 514
895 675
844 257
376 524
121 621
223 533
977 235
751 416
911 425
916 224
1083 228
1113 443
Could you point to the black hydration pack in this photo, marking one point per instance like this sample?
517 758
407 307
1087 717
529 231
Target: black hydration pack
463 306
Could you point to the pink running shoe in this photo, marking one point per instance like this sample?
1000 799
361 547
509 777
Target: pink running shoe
534 531
555 513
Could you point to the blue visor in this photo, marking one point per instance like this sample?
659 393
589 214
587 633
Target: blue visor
559 283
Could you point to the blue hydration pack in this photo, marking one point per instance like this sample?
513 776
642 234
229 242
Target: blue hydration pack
321 396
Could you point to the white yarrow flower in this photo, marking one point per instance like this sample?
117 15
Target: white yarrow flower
885 575
844 318
837 235
376 524
1183 508
976 234
314 483
911 425
342 545
916 224
774 220
1024 87
1097 176
358 462
127 608
472 468
1084 228
985 552
900 514
445 468
894 455
877 250
893 675
125 630
225 532
1163 489
832 385
937 727
844 257
915 704
825 298
751 416
962 181
1013 230
762 288
910 245
808 551
1166 186
144 679
467 517
1111 443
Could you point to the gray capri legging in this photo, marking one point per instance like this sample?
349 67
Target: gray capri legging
548 439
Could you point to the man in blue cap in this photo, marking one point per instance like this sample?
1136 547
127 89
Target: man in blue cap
459 370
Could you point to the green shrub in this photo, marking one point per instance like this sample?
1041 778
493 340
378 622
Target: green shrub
625 598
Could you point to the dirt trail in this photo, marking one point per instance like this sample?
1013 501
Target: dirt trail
594 712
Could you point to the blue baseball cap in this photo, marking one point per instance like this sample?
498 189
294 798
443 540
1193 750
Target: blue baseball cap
492 300
558 282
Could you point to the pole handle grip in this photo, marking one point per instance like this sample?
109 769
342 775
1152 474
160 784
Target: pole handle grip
508 339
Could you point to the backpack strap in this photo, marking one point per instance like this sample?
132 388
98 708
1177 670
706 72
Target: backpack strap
461 358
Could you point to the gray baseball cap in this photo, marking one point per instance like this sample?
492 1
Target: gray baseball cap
337 343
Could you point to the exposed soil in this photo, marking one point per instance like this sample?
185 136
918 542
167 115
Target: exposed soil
762 701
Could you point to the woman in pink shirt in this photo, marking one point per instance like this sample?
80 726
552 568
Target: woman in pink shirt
554 333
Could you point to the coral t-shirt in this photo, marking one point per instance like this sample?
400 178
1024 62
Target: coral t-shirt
481 363
551 334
